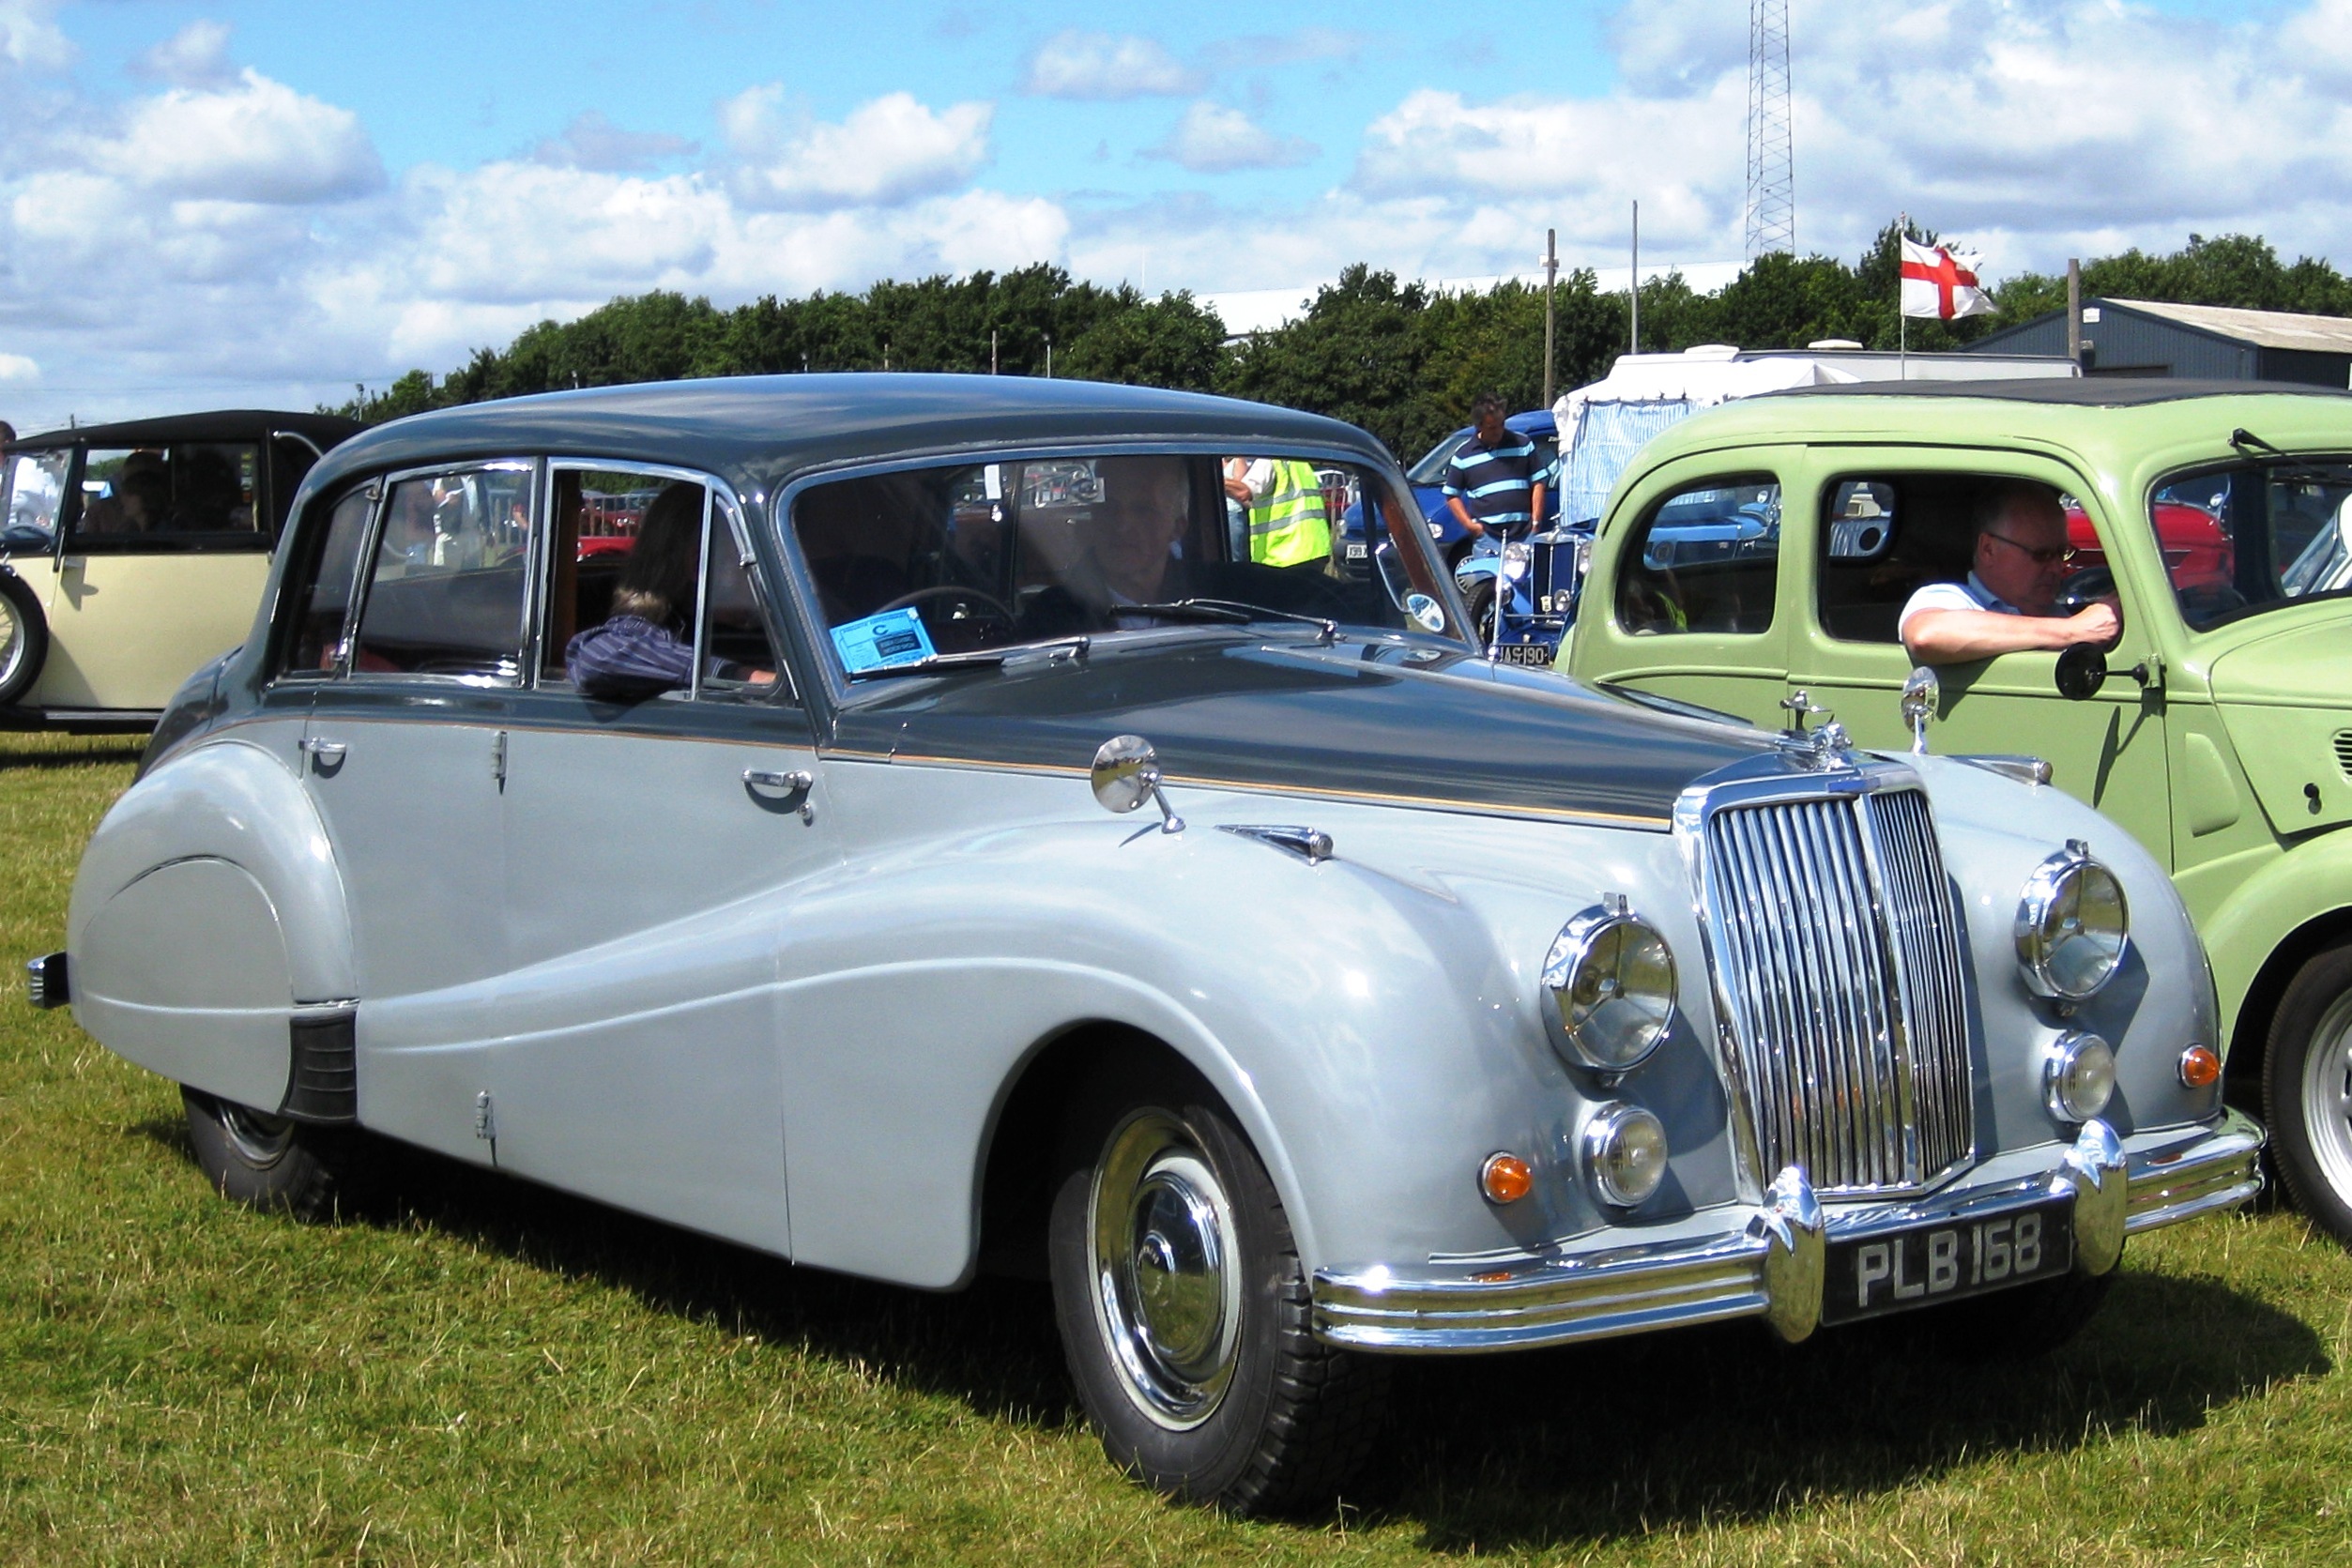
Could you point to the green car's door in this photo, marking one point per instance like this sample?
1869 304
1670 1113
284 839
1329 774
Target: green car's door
1886 520
1694 611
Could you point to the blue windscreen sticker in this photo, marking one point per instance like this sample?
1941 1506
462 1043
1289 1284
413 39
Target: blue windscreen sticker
893 638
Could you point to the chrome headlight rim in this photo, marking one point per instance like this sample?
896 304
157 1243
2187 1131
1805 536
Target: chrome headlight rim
1612 1130
2052 897
1578 1030
2078 1078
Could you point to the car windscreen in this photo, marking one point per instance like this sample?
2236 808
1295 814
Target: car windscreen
2240 540
1431 469
36 491
960 559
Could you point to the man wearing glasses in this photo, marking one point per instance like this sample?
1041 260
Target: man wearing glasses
2008 603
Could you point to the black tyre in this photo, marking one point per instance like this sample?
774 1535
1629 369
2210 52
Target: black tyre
1479 601
275 1165
2307 1091
23 639
2030 1322
1182 1306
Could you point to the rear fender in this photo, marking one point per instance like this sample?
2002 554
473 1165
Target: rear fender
206 910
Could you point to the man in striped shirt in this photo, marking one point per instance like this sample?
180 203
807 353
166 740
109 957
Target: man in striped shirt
1495 482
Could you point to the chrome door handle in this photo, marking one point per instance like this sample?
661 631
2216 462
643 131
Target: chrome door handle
798 781
324 754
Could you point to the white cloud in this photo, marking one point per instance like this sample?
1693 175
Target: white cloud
890 150
195 56
1076 64
258 141
593 141
1270 51
1214 138
29 38
16 367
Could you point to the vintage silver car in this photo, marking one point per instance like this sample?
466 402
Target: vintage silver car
734 852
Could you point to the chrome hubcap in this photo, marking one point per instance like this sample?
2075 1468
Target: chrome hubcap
13 640
1166 1286
258 1139
2328 1096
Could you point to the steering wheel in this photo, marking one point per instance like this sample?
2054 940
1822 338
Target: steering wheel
950 590
2092 582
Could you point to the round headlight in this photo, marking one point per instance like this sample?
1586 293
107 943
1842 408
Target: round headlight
2073 925
2078 1076
1625 1153
1609 982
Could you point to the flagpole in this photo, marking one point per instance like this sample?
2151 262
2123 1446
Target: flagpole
1902 322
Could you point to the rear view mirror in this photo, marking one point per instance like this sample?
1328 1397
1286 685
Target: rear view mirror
2081 671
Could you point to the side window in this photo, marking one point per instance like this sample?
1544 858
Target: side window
36 494
647 593
1885 536
193 495
318 593
445 589
1706 559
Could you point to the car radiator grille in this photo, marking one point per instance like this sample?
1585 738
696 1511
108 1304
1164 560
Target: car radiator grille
1839 953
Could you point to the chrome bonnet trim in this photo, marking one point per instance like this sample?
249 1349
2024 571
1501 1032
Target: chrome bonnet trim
1765 1260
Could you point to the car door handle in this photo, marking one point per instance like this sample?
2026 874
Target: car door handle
798 781
326 755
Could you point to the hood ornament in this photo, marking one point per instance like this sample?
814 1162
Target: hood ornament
1827 747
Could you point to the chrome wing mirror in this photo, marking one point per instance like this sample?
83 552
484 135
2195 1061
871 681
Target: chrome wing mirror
1921 694
1127 773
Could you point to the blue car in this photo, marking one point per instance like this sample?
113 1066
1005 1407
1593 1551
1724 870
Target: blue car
1428 478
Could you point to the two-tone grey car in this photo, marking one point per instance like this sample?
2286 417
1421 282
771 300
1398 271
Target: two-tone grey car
738 856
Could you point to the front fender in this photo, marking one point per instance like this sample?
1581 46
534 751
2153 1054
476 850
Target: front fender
2312 881
209 907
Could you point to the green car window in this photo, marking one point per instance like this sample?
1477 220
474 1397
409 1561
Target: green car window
2244 539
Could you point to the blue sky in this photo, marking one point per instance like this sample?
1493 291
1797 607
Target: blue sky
202 202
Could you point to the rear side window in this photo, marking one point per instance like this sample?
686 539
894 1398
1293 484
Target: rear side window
320 588
1707 558
190 495
445 591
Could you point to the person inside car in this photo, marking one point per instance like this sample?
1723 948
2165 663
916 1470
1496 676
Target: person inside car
645 647
2008 603
138 499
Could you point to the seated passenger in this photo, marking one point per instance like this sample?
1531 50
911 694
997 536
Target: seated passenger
140 495
646 646
2008 603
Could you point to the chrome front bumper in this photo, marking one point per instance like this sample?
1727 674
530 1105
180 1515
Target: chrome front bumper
1771 1266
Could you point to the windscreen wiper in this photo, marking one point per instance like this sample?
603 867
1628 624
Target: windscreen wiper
1231 611
1060 648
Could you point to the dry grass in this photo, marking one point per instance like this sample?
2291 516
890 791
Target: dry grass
486 1372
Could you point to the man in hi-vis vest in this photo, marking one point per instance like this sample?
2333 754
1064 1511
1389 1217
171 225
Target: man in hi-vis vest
1287 522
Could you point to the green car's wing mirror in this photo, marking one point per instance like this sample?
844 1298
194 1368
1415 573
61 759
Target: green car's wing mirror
2081 671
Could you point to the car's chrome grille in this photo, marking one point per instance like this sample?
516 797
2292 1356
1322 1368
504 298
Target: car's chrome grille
1839 955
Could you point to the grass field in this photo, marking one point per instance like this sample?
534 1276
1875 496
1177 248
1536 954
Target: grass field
490 1373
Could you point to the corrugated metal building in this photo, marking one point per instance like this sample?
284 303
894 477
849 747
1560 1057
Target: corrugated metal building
2144 337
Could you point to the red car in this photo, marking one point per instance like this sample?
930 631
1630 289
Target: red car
2197 551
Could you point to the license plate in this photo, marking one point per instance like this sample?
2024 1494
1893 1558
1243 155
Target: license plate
1536 655
1355 552
1946 1262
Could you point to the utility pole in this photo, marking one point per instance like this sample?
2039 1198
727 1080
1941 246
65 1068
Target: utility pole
1771 170
1552 273
1633 286
992 351
1049 356
2074 309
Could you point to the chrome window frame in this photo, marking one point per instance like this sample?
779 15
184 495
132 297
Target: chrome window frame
374 489
363 589
802 588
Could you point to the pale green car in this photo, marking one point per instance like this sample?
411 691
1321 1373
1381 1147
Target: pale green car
2221 518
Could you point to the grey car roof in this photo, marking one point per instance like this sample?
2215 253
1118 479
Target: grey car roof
757 431
2120 392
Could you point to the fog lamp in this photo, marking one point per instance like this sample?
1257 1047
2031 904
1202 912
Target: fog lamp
2078 1076
1506 1179
2200 1068
1611 982
2073 926
1625 1153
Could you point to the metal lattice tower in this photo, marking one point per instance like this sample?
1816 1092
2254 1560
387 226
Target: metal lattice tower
1771 171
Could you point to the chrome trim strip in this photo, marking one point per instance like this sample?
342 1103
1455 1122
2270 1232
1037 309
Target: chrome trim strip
1758 1263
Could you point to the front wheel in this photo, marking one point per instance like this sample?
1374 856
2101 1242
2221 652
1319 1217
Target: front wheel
2307 1091
23 638
272 1163
1479 601
1182 1306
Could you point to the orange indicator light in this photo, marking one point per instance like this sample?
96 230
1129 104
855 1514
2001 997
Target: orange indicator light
1506 1179
2200 1068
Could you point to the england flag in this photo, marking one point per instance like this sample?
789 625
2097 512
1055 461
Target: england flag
1940 282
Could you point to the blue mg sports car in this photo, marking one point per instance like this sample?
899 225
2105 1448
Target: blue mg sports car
703 797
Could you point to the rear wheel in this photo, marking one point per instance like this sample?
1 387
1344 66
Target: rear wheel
272 1163
1182 1306
23 639
2307 1091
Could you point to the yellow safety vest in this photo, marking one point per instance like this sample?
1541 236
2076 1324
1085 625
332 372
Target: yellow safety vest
1290 526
